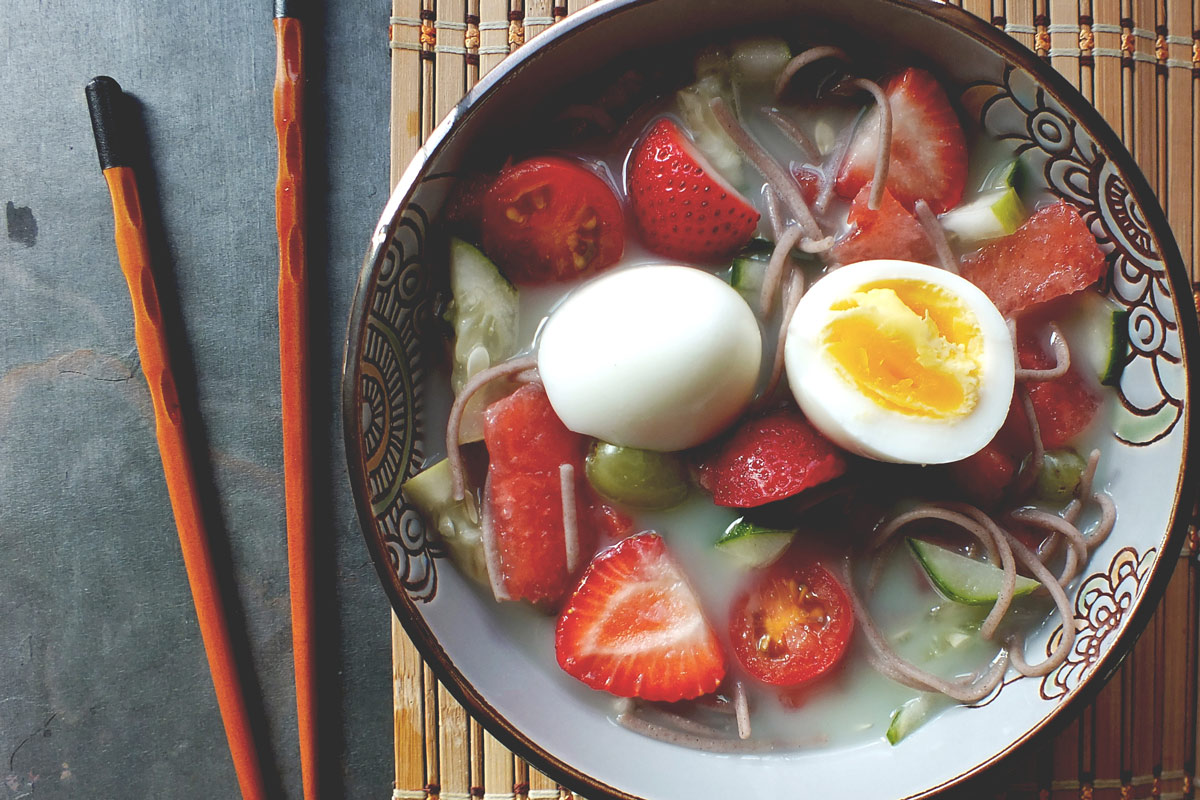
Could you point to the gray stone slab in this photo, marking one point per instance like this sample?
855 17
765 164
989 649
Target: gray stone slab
104 689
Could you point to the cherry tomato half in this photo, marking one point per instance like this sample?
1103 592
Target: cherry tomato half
549 219
793 624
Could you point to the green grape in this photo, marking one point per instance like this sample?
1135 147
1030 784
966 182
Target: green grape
1061 471
637 478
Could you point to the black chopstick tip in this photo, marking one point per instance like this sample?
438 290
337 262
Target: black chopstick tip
108 107
287 8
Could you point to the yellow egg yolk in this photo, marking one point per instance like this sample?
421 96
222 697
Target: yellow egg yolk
909 346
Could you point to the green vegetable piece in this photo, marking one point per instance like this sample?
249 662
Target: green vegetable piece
962 579
910 716
753 545
746 275
1098 331
1005 175
993 214
759 60
484 314
638 478
455 522
1061 471
1118 331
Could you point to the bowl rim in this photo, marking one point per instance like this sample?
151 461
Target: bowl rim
964 23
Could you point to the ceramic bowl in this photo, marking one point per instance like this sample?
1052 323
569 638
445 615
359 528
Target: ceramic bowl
513 685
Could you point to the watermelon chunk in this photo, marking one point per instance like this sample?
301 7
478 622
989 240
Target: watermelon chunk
889 232
809 179
1064 407
526 444
770 458
1051 255
608 521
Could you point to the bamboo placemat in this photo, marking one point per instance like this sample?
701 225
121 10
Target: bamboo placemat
1138 61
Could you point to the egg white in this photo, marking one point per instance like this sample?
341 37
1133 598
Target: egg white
859 424
656 357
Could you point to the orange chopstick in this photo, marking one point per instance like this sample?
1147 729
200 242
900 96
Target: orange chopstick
293 376
104 96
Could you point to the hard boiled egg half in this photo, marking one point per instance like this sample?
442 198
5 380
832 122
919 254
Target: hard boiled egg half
657 357
902 362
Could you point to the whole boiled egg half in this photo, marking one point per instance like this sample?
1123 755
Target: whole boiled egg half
901 362
656 357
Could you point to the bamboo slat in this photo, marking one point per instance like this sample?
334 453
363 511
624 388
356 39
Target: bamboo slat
1179 156
1136 61
449 60
981 8
1106 75
408 701
1063 27
499 775
1018 22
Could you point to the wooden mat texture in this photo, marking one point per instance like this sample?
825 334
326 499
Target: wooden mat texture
1138 61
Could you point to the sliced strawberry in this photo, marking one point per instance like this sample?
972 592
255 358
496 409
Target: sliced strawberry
770 458
1051 255
634 627
889 232
928 153
526 445
684 209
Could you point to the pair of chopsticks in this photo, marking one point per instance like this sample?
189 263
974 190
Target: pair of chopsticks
113 144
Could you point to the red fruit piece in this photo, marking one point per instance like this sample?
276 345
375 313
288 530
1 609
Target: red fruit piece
928 153
793 624
984 478
683 208
1052 254
608 521
889 232
770 458
1065 406
634 627
464 208
526 444
809 179
551 219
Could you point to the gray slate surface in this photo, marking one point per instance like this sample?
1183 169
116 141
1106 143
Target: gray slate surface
104 689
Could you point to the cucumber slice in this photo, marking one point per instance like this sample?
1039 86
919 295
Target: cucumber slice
707 134
1116 334
484 313
910 716
456 522
757 62
1006 175
746 275
962 579
753 545
1098 332
993 214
